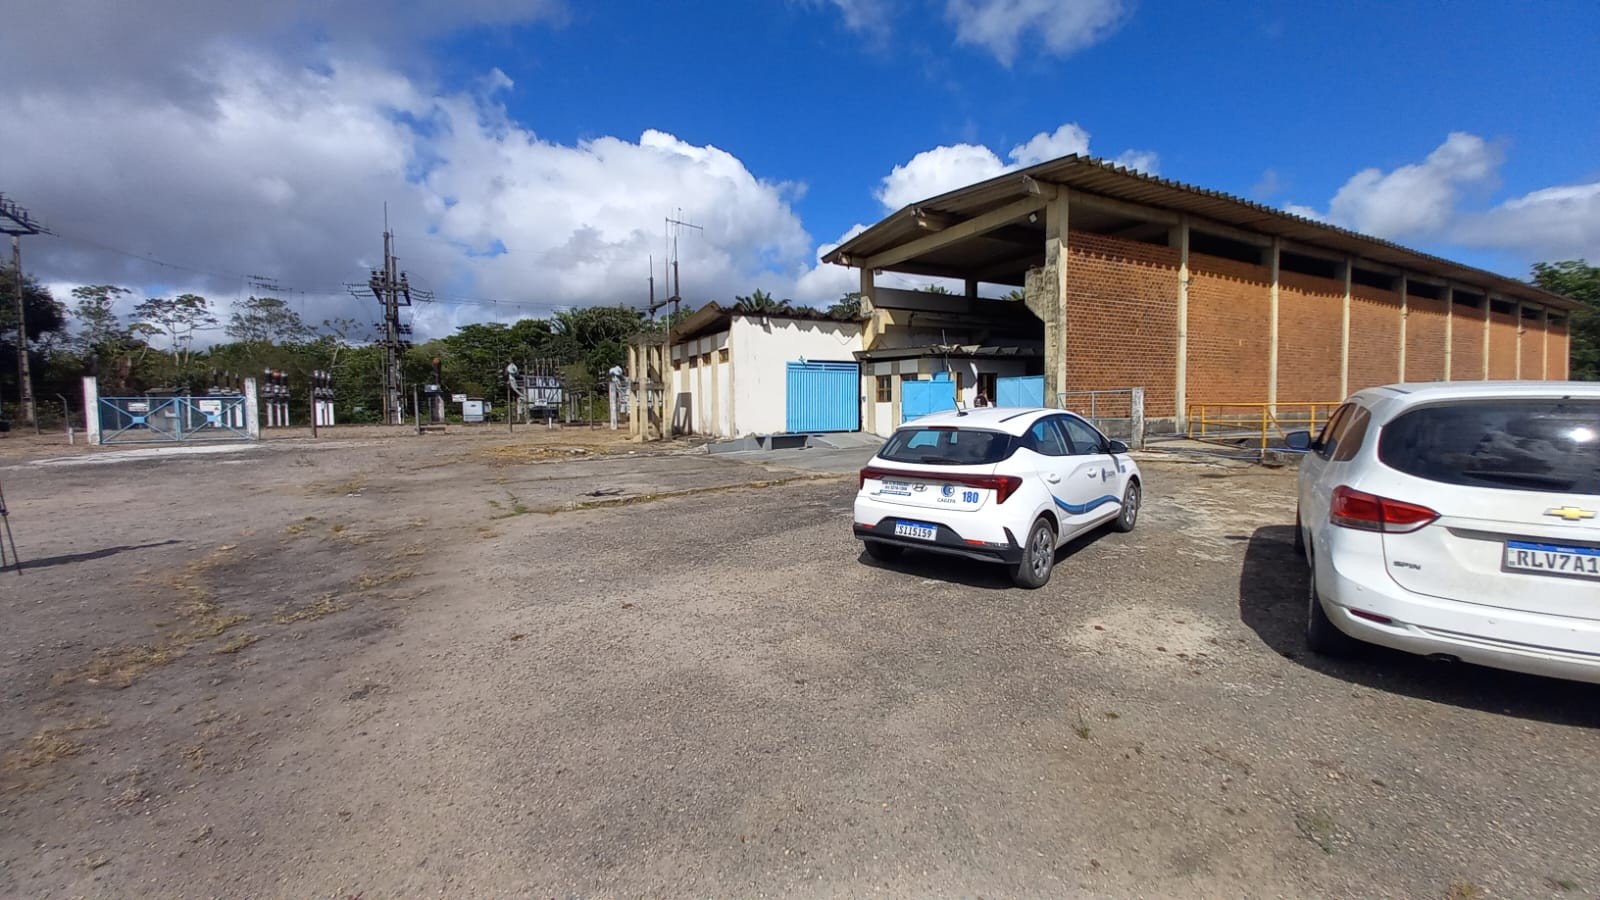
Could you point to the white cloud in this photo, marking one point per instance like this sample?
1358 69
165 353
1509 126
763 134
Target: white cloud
286 172
1146 161
1428 201
1061 27
1552 223
821 283
1419 198
1064 141
863 15
946 168
936 171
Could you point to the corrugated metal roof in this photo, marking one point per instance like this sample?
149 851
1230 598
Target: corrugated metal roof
1105 179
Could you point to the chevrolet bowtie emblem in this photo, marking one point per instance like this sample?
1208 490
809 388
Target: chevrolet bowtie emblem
1570 513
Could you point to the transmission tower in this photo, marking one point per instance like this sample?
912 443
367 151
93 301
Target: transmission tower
392 289
15 221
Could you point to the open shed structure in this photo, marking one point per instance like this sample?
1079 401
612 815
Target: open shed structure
1195 296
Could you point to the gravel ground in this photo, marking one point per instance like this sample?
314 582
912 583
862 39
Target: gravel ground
385 666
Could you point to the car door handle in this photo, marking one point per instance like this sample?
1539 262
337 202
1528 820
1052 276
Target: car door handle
1053 478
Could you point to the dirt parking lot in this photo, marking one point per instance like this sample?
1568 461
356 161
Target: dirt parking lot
483 665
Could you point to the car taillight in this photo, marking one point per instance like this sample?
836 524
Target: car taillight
1368 512
1002 485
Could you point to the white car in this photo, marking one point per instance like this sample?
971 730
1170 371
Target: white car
1458 520
997 485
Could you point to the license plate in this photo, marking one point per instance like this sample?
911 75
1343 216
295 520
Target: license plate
1553 559
922 531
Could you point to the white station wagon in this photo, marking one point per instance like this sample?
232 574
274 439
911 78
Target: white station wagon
1460 521
996 485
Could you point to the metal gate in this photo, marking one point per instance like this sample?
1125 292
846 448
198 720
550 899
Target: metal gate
823 396
919 398
1019 391
160 420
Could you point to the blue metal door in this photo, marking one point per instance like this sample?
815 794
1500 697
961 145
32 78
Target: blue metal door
1019 391
919 398
823 396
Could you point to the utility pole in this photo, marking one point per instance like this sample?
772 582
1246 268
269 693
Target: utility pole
673 227
15 221
392 289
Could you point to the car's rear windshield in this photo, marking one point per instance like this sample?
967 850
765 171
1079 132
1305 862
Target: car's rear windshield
947 446
1527 445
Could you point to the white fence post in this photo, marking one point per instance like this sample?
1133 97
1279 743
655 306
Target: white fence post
91 408
252 410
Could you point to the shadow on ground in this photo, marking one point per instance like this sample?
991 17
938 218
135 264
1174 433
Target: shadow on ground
971 572
70 558
1272 602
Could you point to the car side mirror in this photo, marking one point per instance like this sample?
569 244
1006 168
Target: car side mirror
1116 447
1299 440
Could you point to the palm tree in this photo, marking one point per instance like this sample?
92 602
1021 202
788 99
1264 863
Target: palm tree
760 302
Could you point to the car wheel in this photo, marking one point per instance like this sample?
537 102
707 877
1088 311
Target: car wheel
1038 556
1130 507
882 552
1322 636
1299 535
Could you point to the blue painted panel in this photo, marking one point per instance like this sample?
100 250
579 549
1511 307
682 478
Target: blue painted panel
823 396
1019 391
919 398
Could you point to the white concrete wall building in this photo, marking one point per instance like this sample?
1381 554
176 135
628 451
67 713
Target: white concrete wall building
729 371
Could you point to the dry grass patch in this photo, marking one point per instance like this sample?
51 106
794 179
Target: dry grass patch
237 642
326 605
369 580
51 744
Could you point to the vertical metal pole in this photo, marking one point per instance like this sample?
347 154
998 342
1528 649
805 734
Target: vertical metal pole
24 376
510 428
314 416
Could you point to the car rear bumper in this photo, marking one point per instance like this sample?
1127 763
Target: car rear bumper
1353 587
947 542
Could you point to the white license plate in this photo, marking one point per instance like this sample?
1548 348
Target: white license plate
919 530
1553 559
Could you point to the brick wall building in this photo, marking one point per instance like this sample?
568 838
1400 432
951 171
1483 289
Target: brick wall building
1198 297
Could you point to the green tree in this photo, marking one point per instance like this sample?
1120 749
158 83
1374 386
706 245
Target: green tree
267 320
1015 295
934 289
100 329
178 318
847 307
1577 279
46 320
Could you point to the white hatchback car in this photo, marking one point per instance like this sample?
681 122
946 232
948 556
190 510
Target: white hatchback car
1458 520
997 485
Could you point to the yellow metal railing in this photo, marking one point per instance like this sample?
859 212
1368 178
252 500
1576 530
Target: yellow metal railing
1256 421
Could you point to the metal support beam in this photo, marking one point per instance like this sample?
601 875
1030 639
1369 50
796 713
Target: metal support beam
1124 208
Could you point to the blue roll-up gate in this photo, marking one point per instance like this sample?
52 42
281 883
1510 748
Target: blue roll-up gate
1019 391
823 396
919 398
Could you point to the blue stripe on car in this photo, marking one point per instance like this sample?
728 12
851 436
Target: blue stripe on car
1078 510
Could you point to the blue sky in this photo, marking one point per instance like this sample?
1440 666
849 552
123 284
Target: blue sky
529 149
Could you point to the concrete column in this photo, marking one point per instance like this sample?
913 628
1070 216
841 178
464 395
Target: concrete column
1344 332
1273 255
252 410
91 408
1544 355
894 397
1488 318
1180 367
1405 313
972 288
1046 296
869 291
1517 311
1449 327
